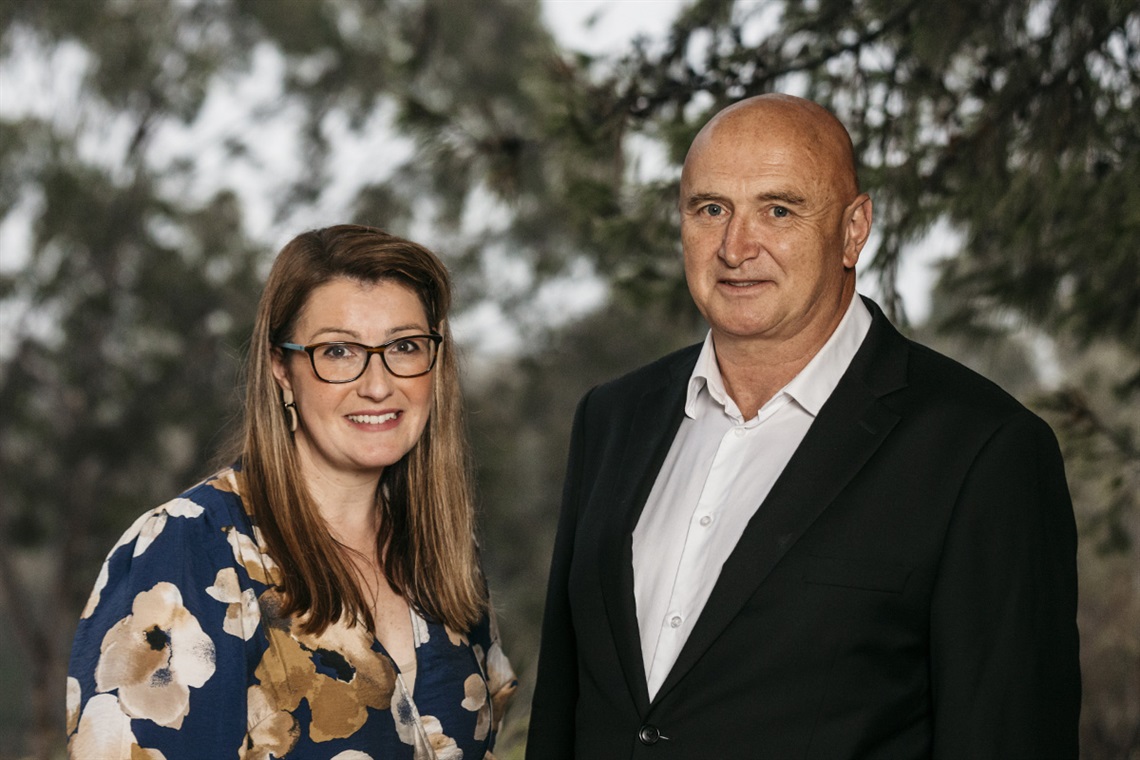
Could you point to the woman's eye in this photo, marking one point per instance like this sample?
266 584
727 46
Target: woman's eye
405 347
338 351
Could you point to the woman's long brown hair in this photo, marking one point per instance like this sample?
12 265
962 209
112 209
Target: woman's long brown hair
425 502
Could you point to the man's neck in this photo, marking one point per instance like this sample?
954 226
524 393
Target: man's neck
755 369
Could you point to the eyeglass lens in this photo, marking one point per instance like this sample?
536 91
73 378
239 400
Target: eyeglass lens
342 362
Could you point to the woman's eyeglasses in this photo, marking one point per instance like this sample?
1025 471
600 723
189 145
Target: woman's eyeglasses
342 362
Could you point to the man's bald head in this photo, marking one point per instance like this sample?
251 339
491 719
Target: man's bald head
802 124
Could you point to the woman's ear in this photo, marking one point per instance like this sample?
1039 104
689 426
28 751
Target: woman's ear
280 371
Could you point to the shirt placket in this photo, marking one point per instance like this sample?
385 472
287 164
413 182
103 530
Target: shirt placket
681 613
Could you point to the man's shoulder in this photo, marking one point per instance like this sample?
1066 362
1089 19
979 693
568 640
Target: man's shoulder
950 383
891 361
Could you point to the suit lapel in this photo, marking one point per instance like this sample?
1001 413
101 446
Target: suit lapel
849 428
654 422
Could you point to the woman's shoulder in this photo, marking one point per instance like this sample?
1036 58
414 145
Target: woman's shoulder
220 496
203 514
171 630
197 533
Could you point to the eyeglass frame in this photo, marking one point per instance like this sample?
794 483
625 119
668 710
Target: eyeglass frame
434 337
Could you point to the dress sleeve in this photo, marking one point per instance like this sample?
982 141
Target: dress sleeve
501 680
160 662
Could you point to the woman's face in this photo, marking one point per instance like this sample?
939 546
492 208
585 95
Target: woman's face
352 430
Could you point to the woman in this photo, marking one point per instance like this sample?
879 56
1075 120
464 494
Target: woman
322 598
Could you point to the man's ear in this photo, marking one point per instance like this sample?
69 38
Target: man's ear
857 229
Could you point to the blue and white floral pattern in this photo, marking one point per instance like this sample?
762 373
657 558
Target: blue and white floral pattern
182 652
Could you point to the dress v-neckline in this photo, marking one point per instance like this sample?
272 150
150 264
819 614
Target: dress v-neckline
420 635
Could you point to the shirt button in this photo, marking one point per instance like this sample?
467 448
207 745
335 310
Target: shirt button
706 521
648 734
675 621
739 432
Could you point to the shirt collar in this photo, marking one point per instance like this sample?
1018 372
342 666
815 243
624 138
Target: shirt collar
706 376
810 388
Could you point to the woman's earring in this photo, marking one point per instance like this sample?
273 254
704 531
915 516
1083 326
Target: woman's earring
290 410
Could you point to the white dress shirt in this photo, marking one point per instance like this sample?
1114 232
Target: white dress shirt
719 470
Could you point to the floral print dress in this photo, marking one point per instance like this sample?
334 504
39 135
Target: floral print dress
181 653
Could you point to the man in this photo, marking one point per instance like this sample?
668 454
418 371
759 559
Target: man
807 537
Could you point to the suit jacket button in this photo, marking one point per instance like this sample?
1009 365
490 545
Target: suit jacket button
648 734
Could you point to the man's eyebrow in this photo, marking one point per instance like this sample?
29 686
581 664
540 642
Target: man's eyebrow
781 196
792 199
695 199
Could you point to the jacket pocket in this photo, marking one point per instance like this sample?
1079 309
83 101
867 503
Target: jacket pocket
871 575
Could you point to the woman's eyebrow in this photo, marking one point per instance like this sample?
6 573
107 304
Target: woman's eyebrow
356 336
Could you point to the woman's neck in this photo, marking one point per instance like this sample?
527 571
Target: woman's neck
347 502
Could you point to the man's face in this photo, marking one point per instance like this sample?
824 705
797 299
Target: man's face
767 231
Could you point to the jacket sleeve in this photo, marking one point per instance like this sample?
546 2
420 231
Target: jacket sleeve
159 657
1005 672
551 732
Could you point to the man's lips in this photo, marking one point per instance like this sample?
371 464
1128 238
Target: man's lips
740 283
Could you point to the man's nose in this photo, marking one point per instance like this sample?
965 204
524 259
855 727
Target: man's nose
740 242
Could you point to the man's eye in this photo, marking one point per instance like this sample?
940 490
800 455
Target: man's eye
780 212
714 209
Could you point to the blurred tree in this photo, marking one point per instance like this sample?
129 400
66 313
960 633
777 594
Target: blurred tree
120 398
1014 121
526 165
118 385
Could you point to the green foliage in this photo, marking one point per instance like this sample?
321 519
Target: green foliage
127 316
126 310
1015 121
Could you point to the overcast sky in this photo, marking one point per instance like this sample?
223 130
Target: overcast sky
615 21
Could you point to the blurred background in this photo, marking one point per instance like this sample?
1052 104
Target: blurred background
155 154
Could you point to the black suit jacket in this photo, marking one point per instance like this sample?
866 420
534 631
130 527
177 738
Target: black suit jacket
906 590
